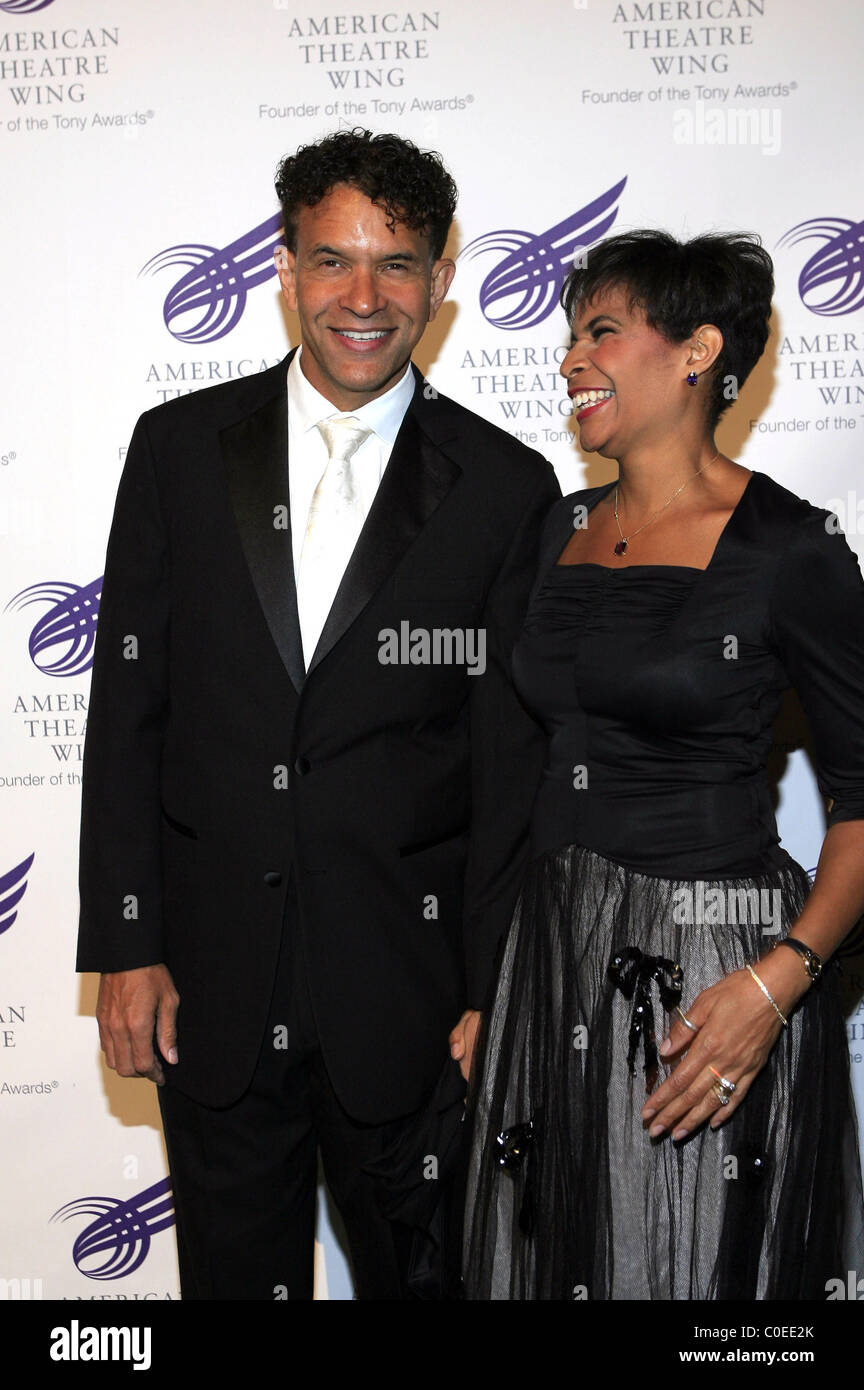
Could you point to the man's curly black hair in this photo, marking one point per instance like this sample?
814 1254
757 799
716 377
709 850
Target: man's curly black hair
411 185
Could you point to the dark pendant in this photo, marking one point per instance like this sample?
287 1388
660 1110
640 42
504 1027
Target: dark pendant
621 547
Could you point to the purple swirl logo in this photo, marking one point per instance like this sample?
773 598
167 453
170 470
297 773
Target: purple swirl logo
13 886
117 1241
832 281
24 6
209 299
61 643
527 279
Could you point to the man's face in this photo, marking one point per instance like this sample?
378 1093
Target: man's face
364 295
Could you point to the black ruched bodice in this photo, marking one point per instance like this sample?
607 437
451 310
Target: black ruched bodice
658 686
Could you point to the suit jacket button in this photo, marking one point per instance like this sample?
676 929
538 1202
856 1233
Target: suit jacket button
273 880
302 766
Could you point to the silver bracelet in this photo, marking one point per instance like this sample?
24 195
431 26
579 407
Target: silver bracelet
767 995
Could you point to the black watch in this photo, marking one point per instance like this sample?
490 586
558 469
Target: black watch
812 962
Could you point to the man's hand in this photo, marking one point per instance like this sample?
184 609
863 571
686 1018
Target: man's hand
131 1004
462 1040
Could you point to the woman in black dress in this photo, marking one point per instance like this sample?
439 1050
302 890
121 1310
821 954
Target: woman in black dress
670 611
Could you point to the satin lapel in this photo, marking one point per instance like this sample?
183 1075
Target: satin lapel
417 478
255 451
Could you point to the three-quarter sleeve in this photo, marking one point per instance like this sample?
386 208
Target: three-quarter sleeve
817 622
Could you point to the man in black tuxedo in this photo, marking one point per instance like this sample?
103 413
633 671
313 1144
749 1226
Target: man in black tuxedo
307 776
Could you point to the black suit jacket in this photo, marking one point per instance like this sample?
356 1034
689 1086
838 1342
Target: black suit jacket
214 767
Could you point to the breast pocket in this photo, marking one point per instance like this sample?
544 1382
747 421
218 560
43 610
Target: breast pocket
450 843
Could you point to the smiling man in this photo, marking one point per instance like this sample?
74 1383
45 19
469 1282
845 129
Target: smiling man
364 287
312 851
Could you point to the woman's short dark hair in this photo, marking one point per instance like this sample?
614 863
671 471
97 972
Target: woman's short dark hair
411 185
724 280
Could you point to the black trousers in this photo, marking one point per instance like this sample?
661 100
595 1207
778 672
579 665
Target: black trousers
245 1177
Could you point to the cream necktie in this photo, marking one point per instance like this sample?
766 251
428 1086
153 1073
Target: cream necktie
335 520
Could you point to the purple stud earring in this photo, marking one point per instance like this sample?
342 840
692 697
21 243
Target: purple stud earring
692 379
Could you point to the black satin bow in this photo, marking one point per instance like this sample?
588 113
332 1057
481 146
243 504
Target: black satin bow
632 973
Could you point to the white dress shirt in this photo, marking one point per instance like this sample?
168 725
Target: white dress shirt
308 458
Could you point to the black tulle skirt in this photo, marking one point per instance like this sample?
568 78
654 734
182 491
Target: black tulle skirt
568 1198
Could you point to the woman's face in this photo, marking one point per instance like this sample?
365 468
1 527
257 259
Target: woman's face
627 382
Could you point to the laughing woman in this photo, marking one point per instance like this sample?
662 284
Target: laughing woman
659 912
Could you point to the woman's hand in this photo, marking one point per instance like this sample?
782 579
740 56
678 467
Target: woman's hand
737 1028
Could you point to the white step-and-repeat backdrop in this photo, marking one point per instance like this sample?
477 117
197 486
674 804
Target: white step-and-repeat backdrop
139 139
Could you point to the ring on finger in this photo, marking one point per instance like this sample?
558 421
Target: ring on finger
727 1086
721 1095
685 1020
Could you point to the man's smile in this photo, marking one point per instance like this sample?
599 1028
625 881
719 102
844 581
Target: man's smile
362 339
